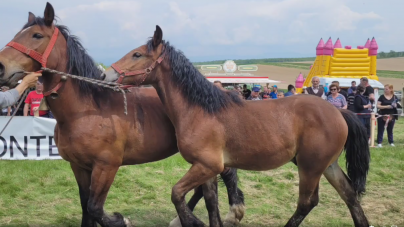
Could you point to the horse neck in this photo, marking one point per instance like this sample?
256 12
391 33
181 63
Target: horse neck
69 101
174 103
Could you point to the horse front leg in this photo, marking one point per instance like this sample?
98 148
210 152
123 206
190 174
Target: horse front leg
83 178
101 180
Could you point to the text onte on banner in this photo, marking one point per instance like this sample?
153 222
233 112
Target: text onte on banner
28 138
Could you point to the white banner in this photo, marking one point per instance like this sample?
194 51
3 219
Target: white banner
28 138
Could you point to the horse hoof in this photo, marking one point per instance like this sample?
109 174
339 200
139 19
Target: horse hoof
127 222
234 216
175 222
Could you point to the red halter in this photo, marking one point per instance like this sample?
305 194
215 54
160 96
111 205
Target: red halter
143 72
32 53
41 58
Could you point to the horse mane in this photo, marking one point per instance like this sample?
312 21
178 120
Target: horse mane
79 62
196 89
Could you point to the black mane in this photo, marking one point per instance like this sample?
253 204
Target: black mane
193 85
79 62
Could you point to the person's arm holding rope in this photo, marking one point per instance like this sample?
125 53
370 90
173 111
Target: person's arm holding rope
10 97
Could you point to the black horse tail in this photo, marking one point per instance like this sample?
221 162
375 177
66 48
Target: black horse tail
357 152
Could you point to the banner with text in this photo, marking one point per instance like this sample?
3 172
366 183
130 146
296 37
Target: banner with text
28 138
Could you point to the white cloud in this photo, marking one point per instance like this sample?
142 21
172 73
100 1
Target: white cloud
233 28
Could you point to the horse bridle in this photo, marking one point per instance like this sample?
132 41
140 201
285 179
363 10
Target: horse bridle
41 58
143 72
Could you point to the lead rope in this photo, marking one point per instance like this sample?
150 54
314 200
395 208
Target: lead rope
110 85
19 104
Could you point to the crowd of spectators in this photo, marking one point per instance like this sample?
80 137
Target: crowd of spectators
361 100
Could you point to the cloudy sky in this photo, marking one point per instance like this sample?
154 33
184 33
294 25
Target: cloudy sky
217 29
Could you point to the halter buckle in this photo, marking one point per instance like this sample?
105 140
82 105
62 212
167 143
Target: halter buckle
54 95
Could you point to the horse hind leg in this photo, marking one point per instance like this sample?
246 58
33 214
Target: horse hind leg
339 180
235 196
212 202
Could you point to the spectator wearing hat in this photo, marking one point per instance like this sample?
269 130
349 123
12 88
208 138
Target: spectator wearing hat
255 94
274 93
351 99
291 90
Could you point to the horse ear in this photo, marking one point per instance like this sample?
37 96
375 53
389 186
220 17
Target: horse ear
158 36
49 14
31 18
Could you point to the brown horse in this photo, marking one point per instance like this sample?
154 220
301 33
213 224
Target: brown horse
216 129
92 131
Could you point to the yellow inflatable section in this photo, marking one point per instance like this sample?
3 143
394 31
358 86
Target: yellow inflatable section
333 61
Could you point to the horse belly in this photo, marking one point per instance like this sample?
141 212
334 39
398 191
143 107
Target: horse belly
257 161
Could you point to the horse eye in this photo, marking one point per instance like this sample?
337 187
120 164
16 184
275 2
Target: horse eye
37 36
137 55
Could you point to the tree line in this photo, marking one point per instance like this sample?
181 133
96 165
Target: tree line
391 54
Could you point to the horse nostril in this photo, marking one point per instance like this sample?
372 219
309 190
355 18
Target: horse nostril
2 69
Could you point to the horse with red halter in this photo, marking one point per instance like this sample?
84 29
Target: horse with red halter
215 129
92 131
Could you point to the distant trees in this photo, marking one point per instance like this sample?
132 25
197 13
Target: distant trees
391 54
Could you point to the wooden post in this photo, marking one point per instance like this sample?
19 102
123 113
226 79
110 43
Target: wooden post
372 129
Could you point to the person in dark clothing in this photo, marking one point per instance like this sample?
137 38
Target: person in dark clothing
362 105
351 99
369 91
387 105
246 92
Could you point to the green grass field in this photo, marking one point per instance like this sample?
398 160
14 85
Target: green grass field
390 74
44 193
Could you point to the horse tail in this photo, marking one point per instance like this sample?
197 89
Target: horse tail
357 152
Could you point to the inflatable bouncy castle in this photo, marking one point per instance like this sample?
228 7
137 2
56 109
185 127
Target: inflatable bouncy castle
334 61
